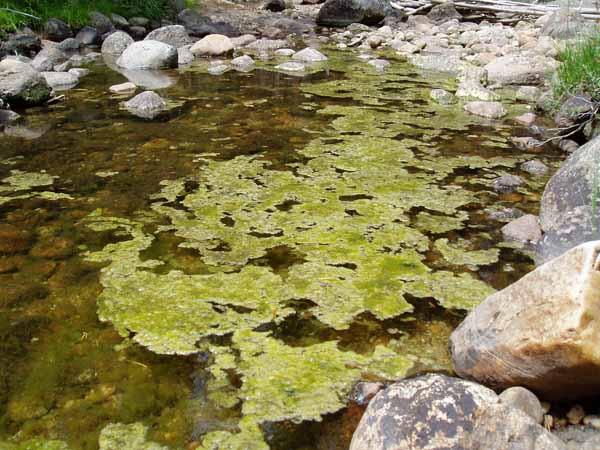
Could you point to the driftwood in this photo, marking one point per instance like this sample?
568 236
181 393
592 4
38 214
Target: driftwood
489 7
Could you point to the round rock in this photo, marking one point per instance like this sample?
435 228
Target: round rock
116 43
149 55
525 400
212 45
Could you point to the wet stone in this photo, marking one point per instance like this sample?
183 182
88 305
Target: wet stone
291 66
535 167
524 229
442 97
507 183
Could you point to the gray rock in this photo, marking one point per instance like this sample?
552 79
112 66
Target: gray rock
21 84
567 214
120 22
449 62
534 333
492 110
78 72
89 36
101 23
439 412
63 67
244 62
8 116
520 398
593 443
267 45
146 105
507 183
69 45
506 214
442 97
201 26
57 30
526 119
519 70
139 22
242 41
309 55
568 145
341 13
48 58
526 142
218 68
535 167
60 81
116 43
524 229
22 44
572 109
148 55
213 45
184 56
474 89
174 35
274 5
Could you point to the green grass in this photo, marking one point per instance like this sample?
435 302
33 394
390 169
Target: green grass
75 12
579 70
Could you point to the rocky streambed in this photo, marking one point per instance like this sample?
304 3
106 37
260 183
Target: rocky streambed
228 237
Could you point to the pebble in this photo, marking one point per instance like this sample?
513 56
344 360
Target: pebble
576 415
123 88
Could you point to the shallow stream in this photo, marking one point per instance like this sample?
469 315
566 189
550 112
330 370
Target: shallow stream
222 277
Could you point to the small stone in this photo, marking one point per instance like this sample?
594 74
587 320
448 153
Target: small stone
213 45
525 400
79 72
184 56
492 110
526 119
375 41
507 183
218 69
146 105
123 88
291 66
525 143
242 62
284 52
309 55
442 97
592 421
523 229
535 167
506 214
576 415
363 392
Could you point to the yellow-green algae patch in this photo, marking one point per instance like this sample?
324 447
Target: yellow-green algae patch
21 185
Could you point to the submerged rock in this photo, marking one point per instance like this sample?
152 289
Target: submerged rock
492 110
146 105
439 412
507 183
149 55
291 66
341 13
21 84
442 97
244 62
539 332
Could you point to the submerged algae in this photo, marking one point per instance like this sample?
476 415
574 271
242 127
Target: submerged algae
20 186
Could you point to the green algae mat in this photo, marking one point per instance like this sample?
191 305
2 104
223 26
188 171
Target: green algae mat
274 276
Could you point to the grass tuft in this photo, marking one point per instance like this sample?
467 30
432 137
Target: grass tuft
579 71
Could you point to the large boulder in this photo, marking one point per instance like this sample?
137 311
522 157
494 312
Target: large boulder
201 26
341 13
101 23
57 30
48 58
116 43
569 213
436 412
21 84
541 332
443 13
174 35
149 55
519 70
89 36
